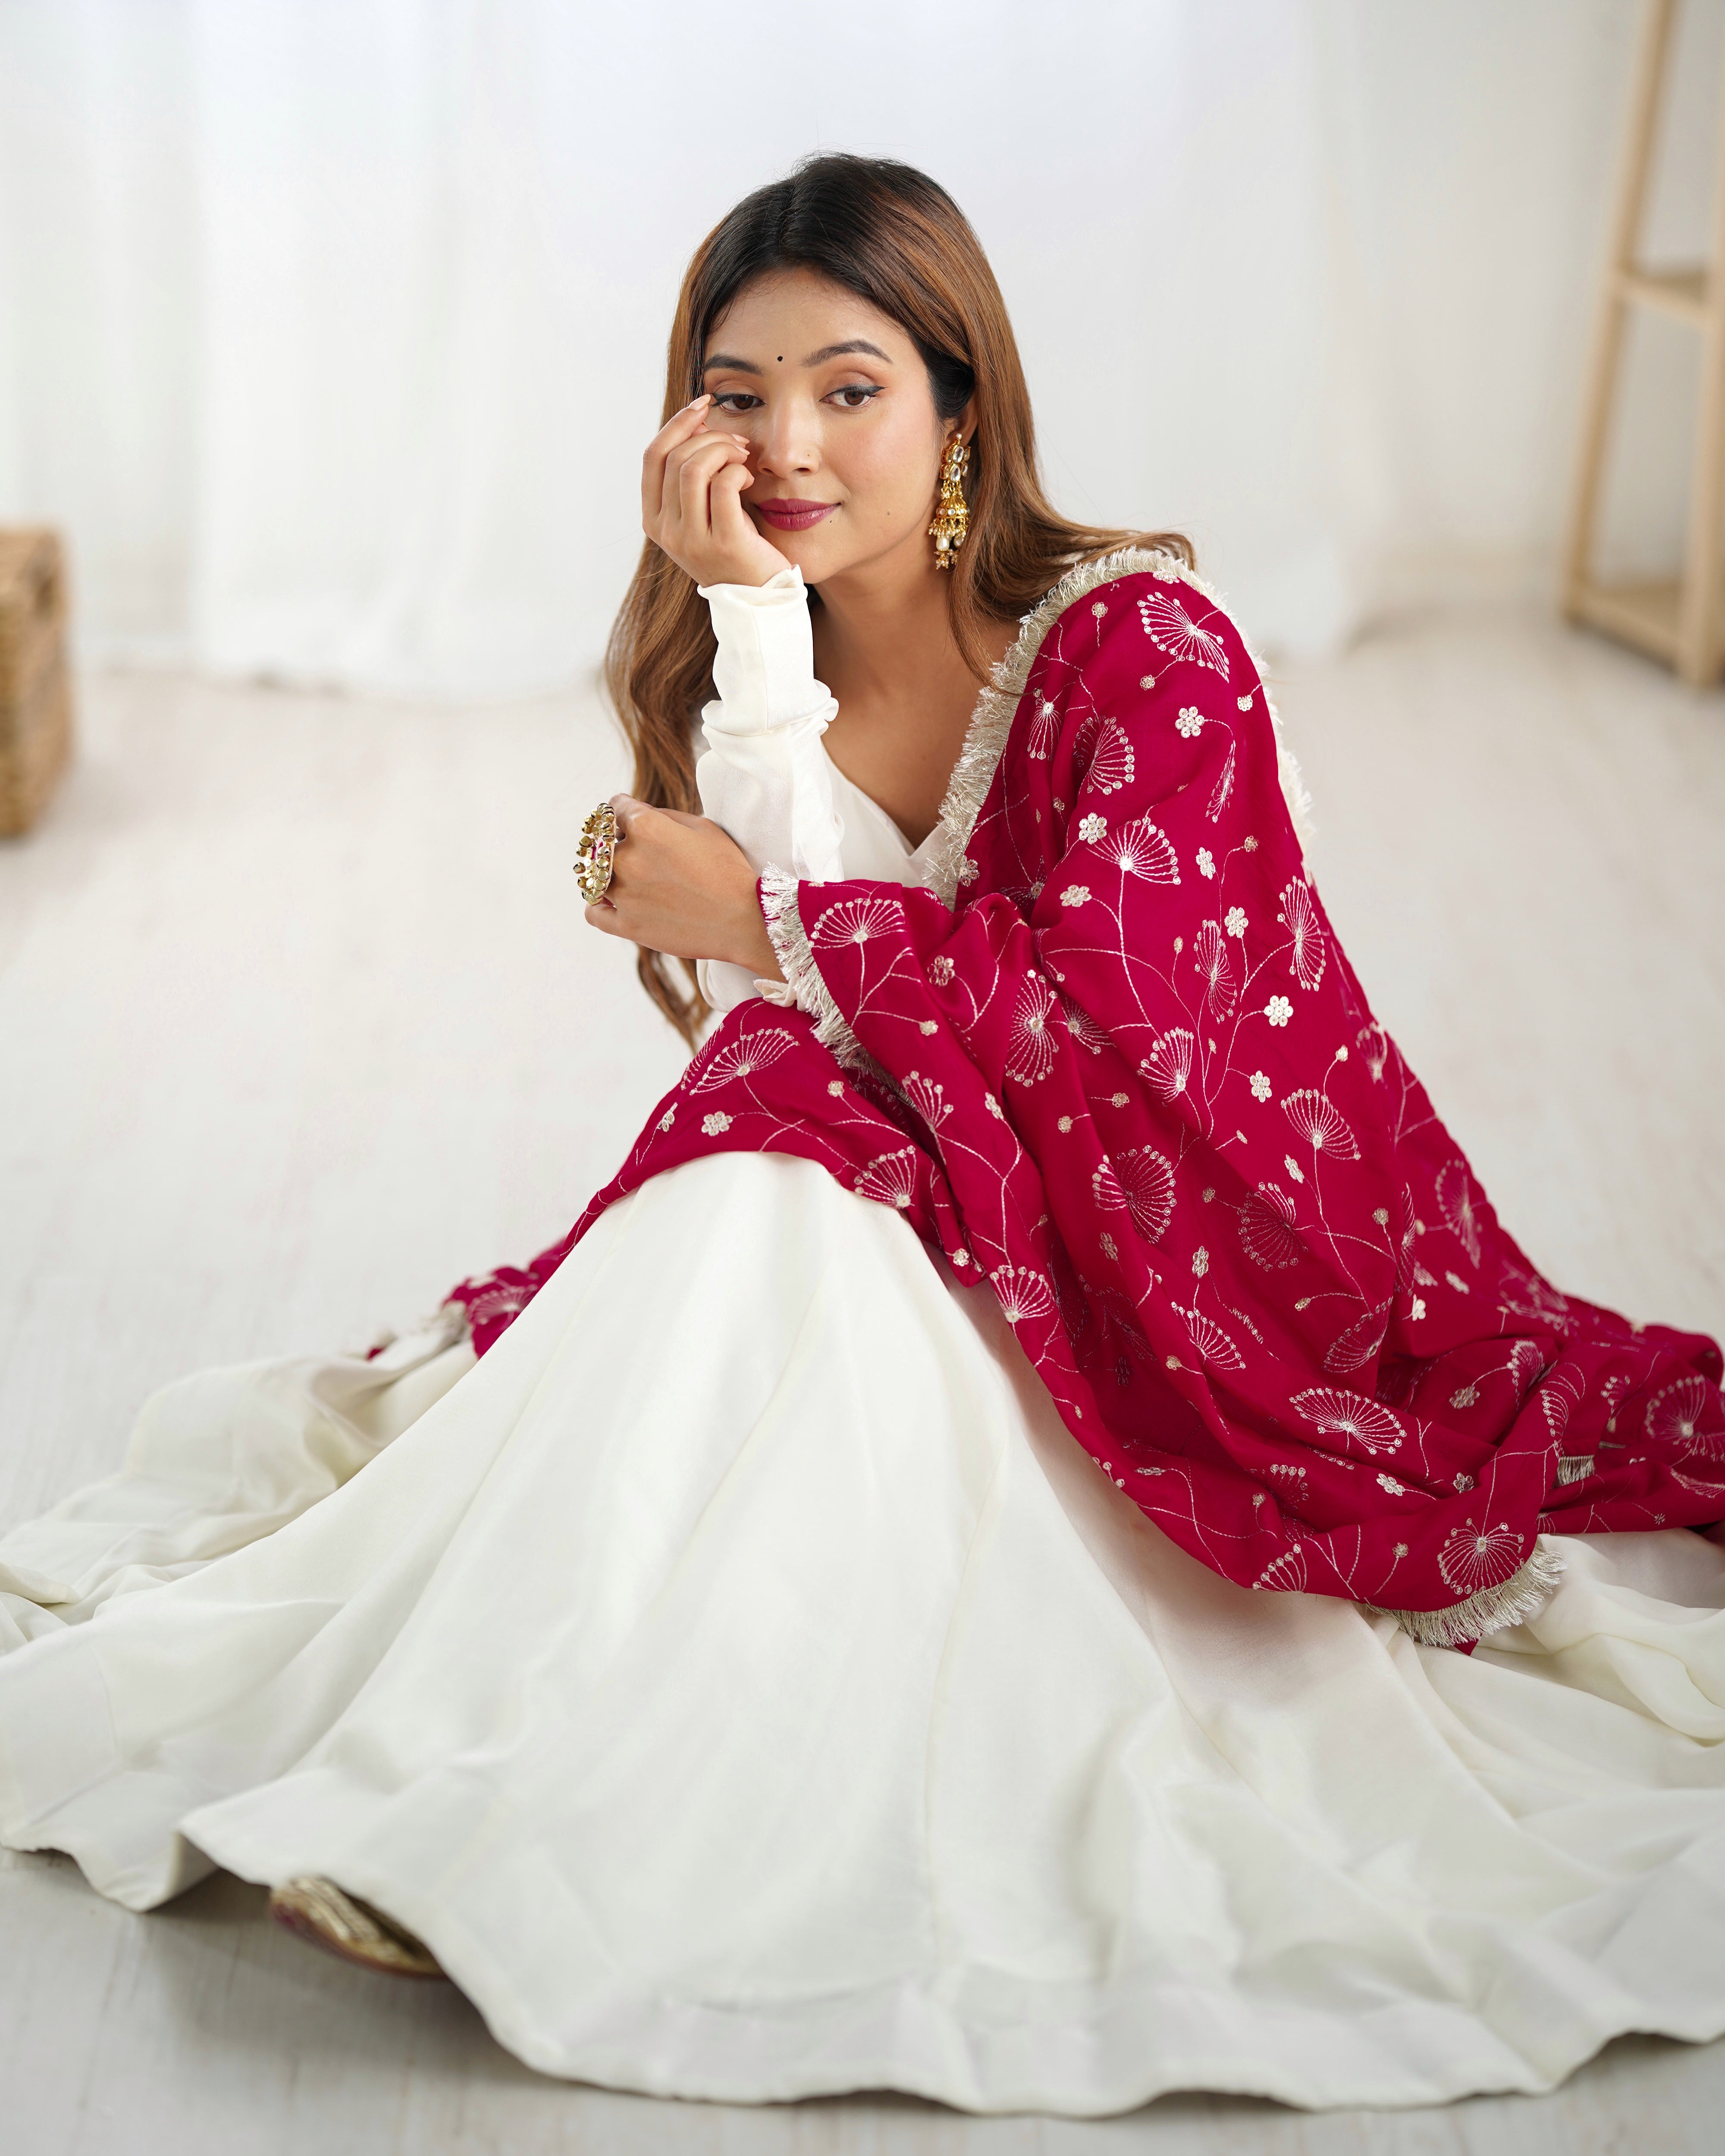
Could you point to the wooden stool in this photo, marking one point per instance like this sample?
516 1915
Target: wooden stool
1680 622
35 683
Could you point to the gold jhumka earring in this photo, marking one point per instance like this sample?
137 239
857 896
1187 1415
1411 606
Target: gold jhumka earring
952 514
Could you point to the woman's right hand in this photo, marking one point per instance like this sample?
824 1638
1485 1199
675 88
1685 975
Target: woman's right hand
692 483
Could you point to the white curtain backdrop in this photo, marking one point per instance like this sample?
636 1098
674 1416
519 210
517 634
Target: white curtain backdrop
331 331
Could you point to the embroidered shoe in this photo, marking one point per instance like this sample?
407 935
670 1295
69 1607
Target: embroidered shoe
317 1911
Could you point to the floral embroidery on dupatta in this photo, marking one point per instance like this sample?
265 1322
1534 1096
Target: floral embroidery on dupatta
1114 1064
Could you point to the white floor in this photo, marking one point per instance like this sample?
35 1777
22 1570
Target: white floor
300 1021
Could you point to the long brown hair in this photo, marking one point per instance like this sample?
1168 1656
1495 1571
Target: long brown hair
887 232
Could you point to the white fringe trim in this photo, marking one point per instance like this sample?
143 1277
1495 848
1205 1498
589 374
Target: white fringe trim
991 722
1527 1590
450 1323
790 945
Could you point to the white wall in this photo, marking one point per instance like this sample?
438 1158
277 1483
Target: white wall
332 329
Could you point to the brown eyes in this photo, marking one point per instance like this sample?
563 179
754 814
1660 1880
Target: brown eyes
852 397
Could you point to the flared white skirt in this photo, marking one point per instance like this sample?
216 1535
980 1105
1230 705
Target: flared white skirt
747 1690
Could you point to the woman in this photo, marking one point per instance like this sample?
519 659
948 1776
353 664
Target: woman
741 1680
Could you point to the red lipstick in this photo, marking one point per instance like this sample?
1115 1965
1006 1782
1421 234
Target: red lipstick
786 515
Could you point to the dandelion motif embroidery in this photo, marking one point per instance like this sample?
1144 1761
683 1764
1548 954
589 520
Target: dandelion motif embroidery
1076 894
1525 1295
1206 862
1223 792
1082 1027
1169 1065
854 921
1558 1396
1355 1346
1323 1125
928 1098
1454 1198
891 1180
1147 1182
1299 917
1030 1054
1267 1233
1215 969
1211 1342
1141 849
1473 1559
1286 1575
1045 731
1374 1043
1024 1294
1687 1413
1168 626
713 1124
1190 722
740 1058
1278 1010
1261 1085
1111 762
1350 1416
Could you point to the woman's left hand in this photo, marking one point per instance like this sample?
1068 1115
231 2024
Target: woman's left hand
682 885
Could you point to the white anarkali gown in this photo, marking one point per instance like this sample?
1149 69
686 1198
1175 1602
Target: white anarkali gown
747 1690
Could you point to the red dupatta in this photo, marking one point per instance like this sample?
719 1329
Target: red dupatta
1119 1069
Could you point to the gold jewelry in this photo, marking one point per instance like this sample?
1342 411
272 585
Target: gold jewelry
318 1912
952 514
596 856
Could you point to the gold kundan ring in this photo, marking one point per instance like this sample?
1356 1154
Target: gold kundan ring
596 856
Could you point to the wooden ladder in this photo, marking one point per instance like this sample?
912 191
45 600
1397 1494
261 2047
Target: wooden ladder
1683 622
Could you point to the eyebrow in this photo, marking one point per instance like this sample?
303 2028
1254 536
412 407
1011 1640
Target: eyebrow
837 351
814 359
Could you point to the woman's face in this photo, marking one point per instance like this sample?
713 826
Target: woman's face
833 400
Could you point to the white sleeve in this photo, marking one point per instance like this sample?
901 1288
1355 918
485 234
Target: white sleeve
764 777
